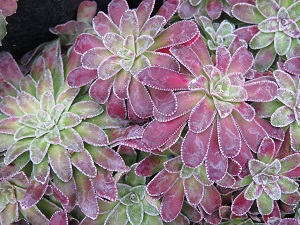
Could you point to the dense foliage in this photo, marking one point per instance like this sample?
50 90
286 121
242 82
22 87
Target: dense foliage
189 116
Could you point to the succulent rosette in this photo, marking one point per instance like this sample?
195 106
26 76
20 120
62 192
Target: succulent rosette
275 31
133 206
217 34
271 179
60 131
126 42
221 123
284 111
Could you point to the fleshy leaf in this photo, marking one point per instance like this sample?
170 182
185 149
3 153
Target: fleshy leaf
41 171
216 163
16 149
163 79
229 137
241 205
103 24
28 103
261 40
195 147
60 162
9 69
282 117
247 13
289 163
117 215
193 190
287 185
59 217
265 58
71 140
266 150
135 213
241 62
68 120
156 133
211 200
295 136
84 163
202 115
172 202
264 204
38 149
179 31
107 158
100 90
33 194
150 165
10 125
86 195
92 134
105 185
253 191
292 65
155 187
80 77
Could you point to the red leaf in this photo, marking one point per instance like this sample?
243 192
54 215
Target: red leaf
252 132
242 61
107 158
214 8
202 115
223 59
116 9
194 147
80 77
246 33
34 193
9 69
211 200
84 163
168 9
59 195
216 163
172 202
173 165
140 100
116 107
100 90
163 79
85 42
261 91
193 190
229 137
150 165
180 32
121 84
86 197
240 205
59 218
164 101
161 183
144 11
156 133
105 185
187 57
293 66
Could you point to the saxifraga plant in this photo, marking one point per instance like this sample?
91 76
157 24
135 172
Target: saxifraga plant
132 118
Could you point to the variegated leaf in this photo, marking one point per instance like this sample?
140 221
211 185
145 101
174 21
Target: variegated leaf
289 163
264 204
92 134
9 106
38 149
287 185
150 165
247 13
253 191
71 140
16 149
9 69
193 190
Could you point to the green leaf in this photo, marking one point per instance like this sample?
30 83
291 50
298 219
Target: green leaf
9 214
2 27
117 216
152 220
41 171
287 185
201 175
247 13
68 120
28 85
253 191
264 204
261 40
149 209
289 163
186 172
15 150
265 58
24 132
71 140
282 117
47 101
282 43
86 109
38 149
295 136
132 179
135 213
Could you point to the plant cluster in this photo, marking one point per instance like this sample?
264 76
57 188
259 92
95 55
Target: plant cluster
188 116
